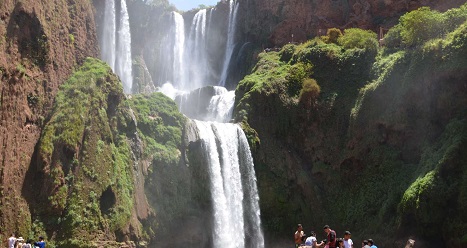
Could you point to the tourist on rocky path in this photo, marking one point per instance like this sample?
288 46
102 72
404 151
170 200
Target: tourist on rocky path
299 234
348 243
331 237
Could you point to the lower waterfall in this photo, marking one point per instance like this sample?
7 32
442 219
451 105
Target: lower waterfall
233 185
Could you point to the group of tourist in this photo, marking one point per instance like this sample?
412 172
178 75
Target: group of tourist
14 242
331 241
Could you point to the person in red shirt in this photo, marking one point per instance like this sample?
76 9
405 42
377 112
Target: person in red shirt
331 238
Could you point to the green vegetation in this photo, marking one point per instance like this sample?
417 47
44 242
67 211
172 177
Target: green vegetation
85 160
160 127
358 38
385 126
419 26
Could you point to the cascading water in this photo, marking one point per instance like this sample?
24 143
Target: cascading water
233 186
108 41
178 68
196 52
235 200
116 42
230 41
123 62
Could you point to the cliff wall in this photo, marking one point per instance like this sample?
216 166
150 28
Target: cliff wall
40 44
272 23
367 139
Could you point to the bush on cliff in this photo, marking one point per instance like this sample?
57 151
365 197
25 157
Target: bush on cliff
419 26
359 38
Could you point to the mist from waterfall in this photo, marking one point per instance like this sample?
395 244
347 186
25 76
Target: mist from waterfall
116 42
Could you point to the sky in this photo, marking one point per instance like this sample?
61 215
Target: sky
190 4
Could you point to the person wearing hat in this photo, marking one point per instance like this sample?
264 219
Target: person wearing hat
298 236
19 242
331 237
348 243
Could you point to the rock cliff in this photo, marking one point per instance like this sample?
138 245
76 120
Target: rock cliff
381 142
40 44
276 22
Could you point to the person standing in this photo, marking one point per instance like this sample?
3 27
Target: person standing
365 244
40 243
371 243
299 234
331 237
340 243
348 243
12 241
27 244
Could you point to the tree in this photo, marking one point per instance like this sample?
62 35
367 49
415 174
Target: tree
359 38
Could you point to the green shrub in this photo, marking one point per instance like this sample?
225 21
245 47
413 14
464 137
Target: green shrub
332 35
421 25
287 52
297 73
309 93
393 39
359 38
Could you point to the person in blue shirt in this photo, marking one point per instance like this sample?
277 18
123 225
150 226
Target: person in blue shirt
371 244
40 243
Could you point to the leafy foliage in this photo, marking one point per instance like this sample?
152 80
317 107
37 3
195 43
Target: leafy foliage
332 35
419 26
359 38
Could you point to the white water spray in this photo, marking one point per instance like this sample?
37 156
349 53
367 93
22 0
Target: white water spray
108 42
235 216
116 44
230 41
178 68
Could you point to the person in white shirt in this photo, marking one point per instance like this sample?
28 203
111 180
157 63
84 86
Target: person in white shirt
12 241
311 241
348 243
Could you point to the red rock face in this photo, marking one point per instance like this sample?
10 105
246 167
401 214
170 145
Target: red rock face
40 43
277 22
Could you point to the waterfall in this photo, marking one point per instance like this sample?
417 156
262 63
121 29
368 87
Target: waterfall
221 105
230 41
196 55
123 63
178 68
116 42
236 223
108 41
186 79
